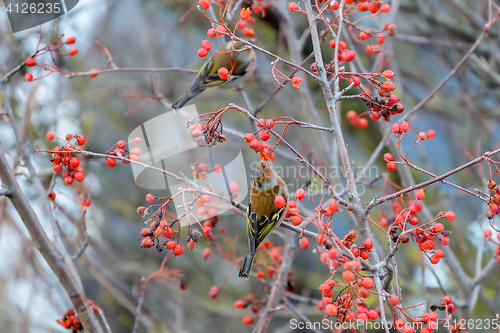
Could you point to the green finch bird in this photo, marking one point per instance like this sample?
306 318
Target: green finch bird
263 214
244 65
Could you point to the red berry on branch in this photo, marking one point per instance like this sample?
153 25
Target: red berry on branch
334 5
247 320
420 194
395 128
351 115
150 198
111 162
280 201
202 52
178 250
30 62
50 135
204 4
223 73
73 51
292 6
304 242
206 44
265 135
300 194
388 74
211 33
28 77
385 8
393 300
70 40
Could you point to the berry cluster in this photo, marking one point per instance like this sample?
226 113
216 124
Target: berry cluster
161 227
71 321
209 133
119 149
54 46
63 158
349 305
246 18
248 301
494 200
263 133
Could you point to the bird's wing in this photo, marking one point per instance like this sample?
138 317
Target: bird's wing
260 226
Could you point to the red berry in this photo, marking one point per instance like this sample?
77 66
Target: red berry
447 299
270 123
58 168
388 86
280 201
223 72
450 216
388 157
30 62
247 320
79 177
304 242
487 233
292 6
265 135
207 231
147 242
393 300
367 283
239 304
80 140
363 122
111 162
395 128
333 206
28 77
204 4
211 33
444 240
300 194
206 253
420 194
178 250
150 197
74 162
348 276
351 115
385 8
145 232
331 309
388 74
404 127
171 244
248 137
50 135
70 40
206 44
334 5
296 220
202 52
431 134
68 180
73 51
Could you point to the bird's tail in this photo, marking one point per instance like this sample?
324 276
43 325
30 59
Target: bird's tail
185 98
246 267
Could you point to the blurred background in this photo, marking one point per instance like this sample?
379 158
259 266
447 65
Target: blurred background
431 38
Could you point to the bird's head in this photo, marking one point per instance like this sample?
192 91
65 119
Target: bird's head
263 173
